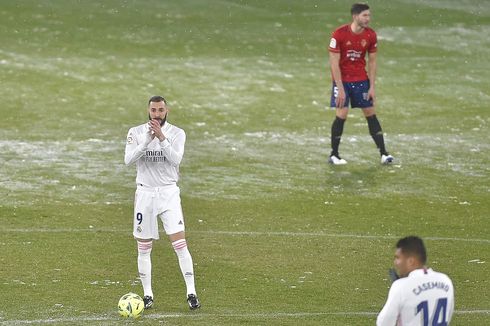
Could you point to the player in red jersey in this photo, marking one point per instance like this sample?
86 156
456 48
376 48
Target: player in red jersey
351 83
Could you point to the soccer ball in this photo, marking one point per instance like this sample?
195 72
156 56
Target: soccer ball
131 305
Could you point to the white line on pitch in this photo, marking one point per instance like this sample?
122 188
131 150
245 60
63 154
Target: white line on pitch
224 315
251 233
334 235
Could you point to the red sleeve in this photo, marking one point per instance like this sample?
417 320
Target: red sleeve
334 45
373 44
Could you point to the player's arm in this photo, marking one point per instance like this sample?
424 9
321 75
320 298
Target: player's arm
174 150
337 77
134 150
372 74
389 314
450 307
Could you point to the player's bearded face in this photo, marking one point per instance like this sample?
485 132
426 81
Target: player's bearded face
158 111
161 120
363 18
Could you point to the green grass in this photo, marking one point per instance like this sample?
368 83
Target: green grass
278 236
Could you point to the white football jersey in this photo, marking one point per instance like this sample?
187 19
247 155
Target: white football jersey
423 298
157 163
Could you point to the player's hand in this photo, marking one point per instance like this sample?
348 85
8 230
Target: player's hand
371 95
340 98
393 275
150 135
156 129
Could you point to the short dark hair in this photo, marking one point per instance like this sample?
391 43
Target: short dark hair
413 246
157 98
357 8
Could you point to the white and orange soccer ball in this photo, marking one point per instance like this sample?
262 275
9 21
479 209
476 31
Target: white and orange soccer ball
131 305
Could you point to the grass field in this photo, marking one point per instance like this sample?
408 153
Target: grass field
278 236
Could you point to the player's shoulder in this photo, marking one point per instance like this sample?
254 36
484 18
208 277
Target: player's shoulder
442 276
343 29
398 289
138 129
174 129
401 283
369 31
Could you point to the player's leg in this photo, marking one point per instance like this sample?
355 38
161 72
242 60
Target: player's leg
145 229
338 126
377 134
375 129
360 100
144 269
173 222
186 266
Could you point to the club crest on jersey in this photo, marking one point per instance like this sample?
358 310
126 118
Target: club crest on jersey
363 43
130 139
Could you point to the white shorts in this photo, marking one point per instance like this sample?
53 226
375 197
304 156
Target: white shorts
153 203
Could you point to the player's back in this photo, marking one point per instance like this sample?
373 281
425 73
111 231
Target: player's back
427 298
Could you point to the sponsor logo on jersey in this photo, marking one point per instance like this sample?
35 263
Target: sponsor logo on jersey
333 43
348 43
353 55
139 229
180 222
130 139
154 156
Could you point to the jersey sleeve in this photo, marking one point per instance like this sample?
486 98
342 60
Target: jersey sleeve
174 148
389 314
335 40
451 301
134 150
373 42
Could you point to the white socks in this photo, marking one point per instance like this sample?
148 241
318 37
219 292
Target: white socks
185 263
144 266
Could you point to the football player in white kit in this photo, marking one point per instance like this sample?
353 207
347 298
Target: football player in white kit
421 297
157 147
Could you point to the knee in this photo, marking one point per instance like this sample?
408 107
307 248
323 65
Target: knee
342 114
179 244
144 247
369 112
180 248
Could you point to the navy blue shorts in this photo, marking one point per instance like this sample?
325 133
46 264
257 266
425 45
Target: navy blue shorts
356 93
